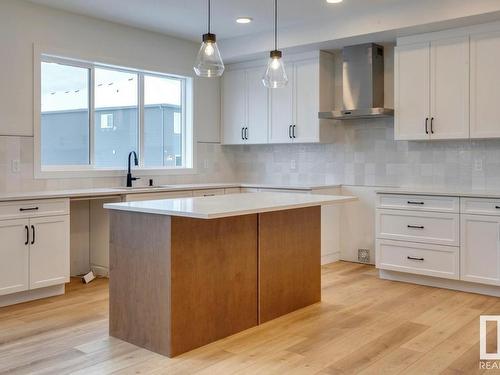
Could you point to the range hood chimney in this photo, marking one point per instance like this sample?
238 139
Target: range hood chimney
363 84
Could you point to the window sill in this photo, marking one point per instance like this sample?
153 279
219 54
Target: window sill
58 172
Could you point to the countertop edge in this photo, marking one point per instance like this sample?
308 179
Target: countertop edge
332 200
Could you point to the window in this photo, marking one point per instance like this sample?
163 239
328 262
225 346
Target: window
64 114
93 115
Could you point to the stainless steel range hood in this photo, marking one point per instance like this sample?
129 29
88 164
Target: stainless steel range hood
363 84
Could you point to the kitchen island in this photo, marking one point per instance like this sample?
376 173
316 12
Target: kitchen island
186 272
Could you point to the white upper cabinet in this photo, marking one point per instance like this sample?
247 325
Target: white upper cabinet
306 102
432 90
282 105
284 115
485 84
257 107
245 103
449 88
411 94
234 107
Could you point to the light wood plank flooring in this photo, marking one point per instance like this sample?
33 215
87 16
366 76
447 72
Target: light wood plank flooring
363 326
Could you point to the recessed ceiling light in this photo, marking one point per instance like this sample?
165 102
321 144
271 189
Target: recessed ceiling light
244 19
334 1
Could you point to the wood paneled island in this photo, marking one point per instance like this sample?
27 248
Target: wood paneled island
186 272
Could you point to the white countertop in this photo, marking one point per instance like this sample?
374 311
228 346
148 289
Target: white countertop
229 205
440 192
104 192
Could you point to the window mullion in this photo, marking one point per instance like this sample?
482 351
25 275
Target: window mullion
92 117
140 113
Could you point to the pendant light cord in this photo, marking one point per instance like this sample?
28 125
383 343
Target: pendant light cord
275 24
209 20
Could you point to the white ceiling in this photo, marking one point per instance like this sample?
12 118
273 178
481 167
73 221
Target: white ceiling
187 18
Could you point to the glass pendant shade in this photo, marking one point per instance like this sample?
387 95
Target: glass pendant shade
209 61
275 75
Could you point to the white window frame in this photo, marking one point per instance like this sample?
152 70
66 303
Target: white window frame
90 170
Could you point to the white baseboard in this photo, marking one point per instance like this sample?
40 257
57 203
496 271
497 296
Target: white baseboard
330 258
30 295
464 286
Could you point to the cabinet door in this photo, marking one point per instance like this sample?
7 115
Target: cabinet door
233 106
49 251
306 101
480 253
411 96
14 253
450 88
258 107
484 85
282 110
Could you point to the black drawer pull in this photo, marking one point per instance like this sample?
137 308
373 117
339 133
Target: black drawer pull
209 195
28 209
412 202
413 258
33 230
497 207
415 226
27 235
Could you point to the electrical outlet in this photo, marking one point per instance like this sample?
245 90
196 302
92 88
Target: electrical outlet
293 165
478 165
15 165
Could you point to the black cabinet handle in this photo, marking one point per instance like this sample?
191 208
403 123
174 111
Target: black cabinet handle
293 131
432 125
497 207
242 133
415 226
426 125
28 209
290 131
33 230
412 202
27 235
246 133
413 258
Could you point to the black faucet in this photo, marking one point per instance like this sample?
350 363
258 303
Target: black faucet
129 174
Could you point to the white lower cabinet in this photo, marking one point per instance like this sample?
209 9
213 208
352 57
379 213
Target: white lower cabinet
462 246
480 249
421 259
49 251
14 255
34 248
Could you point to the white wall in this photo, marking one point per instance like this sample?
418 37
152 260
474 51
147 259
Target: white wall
23 24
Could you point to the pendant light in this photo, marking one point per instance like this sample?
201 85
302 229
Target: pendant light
208 61
275 76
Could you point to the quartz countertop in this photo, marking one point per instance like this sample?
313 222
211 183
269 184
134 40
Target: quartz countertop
229 205
440 192
116 191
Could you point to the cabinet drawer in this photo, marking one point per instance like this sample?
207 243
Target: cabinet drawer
208 192
480 206
45 207
418 202
420 259
426 227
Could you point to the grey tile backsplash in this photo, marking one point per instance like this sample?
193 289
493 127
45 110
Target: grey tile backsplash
364 153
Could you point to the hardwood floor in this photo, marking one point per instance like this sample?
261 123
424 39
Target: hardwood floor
363 325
